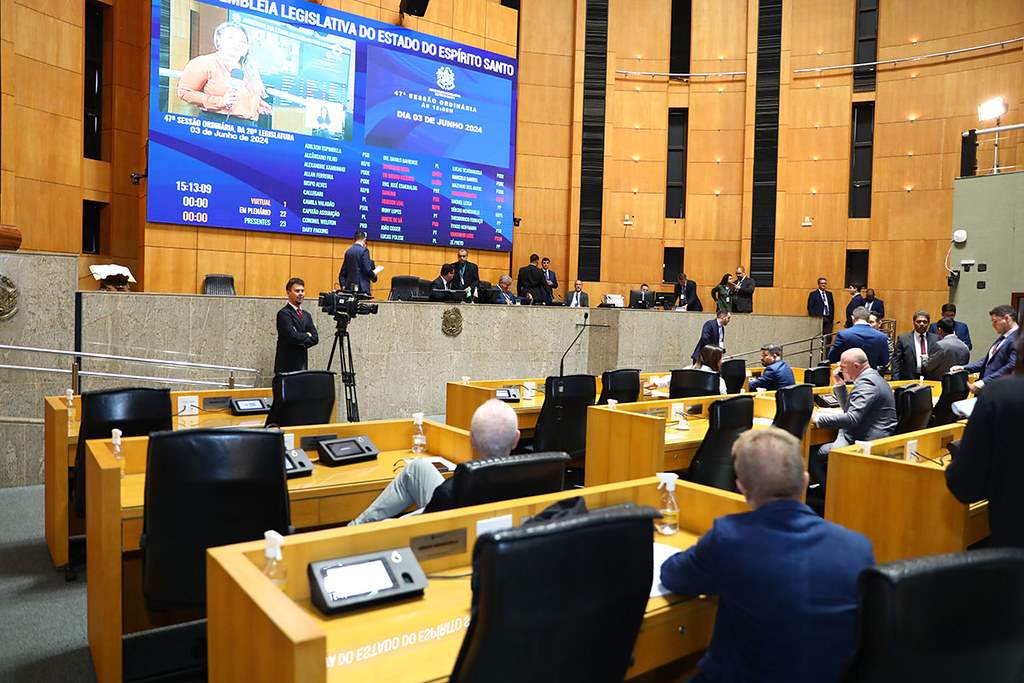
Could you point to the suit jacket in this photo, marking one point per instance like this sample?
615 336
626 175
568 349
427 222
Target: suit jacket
551 278
904 362
989 465
816 307
294 337
357 269
743 298
531 281
869 411
960 329
689 297
499 298
786 582
876 306
439 283
584 299
1001 363
873 342
466 275
708 337
776 375
949 351
855 301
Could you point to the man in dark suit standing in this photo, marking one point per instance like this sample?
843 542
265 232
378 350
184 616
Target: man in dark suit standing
785 578
549 276
712 333
578 298
913 349
531 282
821 304
862 336
1002 355
961 330
444 280
949 351
295 330
467 275
358 269
873 304
856 300
743 292
686 294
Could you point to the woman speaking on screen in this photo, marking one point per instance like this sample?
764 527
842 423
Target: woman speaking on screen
222 82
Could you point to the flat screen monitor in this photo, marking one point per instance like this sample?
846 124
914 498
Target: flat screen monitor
291 117
664 299
638 299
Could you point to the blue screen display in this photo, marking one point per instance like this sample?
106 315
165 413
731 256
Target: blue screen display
285 116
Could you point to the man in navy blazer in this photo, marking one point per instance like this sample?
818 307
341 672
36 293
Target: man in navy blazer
296 332
357 268
855 300
785 578
873 304
821 304
1002 355
777 372
862 336
712 334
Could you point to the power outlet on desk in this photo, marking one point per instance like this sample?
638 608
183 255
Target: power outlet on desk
493 524
188 405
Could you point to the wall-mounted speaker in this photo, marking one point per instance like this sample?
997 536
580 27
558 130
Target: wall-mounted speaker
416 8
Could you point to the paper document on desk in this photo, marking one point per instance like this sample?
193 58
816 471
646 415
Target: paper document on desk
434 459
965 407
763 421
661 553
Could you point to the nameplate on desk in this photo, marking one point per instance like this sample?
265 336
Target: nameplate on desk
440 544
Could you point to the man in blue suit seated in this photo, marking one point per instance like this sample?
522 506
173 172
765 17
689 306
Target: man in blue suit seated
1002 355
862 336
960 329
777 372
785 578
712 334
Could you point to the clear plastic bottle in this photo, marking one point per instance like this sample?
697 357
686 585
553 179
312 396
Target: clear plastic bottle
419 438
115 437
273 568
669 508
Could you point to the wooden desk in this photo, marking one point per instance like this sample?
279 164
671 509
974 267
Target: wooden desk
903 507
61 442
257 632
115 512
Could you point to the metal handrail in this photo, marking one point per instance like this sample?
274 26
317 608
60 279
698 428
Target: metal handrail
131 359
817 337
901 60
114 375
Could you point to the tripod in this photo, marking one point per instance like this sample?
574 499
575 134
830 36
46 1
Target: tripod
343 343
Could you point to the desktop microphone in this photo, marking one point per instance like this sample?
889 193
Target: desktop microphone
561 363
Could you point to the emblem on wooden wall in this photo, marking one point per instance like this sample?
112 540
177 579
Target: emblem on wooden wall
9 299
451 322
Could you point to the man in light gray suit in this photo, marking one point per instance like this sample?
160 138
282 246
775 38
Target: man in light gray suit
950 350
869 411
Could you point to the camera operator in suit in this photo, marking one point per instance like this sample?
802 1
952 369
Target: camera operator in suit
295 330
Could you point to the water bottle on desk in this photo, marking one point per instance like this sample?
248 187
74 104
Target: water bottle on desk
669 508
115 437
419 438
273 568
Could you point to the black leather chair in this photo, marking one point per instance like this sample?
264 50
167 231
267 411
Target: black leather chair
820 376
712 465
913 407
305 397
404 288
490 480
223 285
136 412
692 382
562 423
206 488
943 619
619 385
484 292
793 408
561 601
954 388
734 372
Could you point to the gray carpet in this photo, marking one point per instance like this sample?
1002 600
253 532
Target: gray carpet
42 618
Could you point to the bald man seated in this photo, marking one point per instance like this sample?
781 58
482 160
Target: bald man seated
493 433
869 411
786 579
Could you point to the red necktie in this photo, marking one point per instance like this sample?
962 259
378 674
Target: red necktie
298 312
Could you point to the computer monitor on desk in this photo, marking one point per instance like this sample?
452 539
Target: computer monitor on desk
665 299
452 295
639 299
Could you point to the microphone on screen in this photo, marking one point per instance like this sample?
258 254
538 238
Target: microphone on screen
237 81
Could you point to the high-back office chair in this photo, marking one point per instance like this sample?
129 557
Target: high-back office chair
561 601
954 388
734 372
943 618
136 412
223 285
619 385
205 488
404 288
728 418
913 408
490 480
692 382
484 292
562 423
305 397
820 376
793 408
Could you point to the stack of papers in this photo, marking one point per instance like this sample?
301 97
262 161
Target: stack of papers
661 553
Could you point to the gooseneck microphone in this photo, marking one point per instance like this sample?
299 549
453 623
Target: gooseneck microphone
561 363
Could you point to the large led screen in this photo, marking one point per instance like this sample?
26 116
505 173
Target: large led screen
285 116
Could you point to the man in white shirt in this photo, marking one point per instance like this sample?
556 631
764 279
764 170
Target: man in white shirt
913 348
578 298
